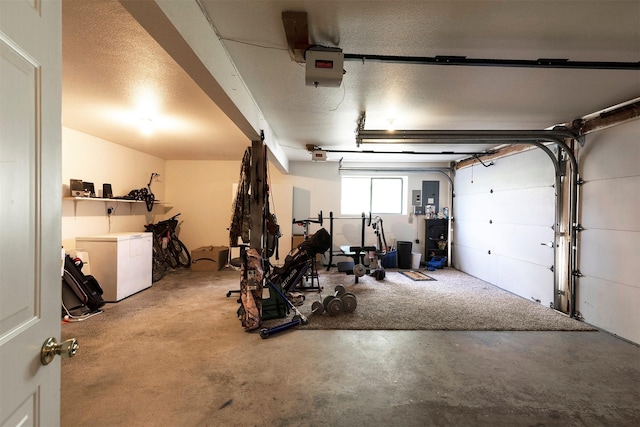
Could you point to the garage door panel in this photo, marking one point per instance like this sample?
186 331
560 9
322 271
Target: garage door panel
473 234
606 196
609 305
605 254
530 281
529 206
523 243
476 262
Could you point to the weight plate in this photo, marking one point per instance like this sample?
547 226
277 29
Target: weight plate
327 300
359 270
340 290
349 302
317 307
335 306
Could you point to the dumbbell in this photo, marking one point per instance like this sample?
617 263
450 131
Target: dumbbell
317 308
340 301
359 270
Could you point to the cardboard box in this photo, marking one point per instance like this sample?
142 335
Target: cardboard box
209 258
296 240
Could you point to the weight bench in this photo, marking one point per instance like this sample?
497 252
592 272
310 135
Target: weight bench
357 253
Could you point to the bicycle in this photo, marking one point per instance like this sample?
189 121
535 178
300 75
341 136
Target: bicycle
168 250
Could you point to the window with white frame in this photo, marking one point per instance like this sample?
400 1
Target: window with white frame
380 195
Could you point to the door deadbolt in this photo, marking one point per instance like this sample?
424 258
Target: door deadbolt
51 347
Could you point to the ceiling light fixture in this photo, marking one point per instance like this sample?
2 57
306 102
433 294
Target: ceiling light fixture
391 125
146 126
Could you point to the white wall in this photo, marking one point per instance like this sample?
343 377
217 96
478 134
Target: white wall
202 191
95 160
608 295
323 181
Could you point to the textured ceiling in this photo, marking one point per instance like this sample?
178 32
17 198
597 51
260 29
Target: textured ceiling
108 59
115 77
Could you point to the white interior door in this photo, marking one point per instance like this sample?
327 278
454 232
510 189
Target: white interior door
30 199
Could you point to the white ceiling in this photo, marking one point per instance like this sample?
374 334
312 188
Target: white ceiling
109 59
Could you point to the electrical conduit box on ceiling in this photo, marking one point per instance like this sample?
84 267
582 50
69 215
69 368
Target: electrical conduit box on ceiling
324 67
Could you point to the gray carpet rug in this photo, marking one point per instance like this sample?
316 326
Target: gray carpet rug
453 301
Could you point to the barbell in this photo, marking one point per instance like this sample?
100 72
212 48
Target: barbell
368 218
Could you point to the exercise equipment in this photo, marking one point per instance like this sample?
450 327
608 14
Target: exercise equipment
356 255
311 276
378 230
358 252
304 223
267 332
332 303
436 262
296 265
317 308
349 302
297 319
299 261
341 301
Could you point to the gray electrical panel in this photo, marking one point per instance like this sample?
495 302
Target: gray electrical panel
431 195
416 198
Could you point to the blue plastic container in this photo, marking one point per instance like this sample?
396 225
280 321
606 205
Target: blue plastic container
390 260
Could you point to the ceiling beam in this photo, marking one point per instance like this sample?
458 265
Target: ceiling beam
178 28
607 118
297 32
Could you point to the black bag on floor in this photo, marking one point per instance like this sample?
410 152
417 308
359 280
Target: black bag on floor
85 287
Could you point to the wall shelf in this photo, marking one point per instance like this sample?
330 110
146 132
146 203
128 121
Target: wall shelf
106 200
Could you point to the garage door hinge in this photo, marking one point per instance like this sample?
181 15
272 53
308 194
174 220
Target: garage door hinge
578 227
576 273
580 181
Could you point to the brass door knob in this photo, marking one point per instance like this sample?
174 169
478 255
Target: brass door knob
51 347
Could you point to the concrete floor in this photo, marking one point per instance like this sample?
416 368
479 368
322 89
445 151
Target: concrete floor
176 355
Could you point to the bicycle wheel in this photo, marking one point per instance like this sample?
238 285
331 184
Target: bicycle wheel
181 252
169 256
158 269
